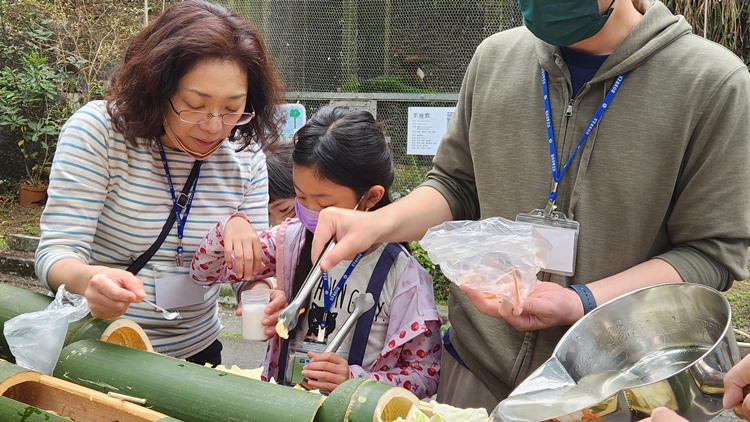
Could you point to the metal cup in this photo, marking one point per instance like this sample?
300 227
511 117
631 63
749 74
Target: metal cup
668 345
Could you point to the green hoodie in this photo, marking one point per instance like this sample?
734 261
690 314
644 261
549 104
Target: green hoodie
664 174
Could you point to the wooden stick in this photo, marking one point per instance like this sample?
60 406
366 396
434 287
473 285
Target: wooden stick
515 281
136 400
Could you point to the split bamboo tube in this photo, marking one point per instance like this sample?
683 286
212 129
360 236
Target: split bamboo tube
15 301
366 400
180 389
36 394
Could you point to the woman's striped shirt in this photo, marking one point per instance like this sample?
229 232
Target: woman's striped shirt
107 202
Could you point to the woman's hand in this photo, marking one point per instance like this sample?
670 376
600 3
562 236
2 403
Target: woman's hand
242 250
326 370
111 291
548 305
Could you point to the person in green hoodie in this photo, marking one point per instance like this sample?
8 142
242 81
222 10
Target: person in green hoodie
644 154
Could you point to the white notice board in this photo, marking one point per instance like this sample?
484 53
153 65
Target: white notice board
426 126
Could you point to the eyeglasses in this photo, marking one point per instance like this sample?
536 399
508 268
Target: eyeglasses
202 117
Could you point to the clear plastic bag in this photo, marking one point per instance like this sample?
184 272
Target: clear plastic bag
36 338
495 255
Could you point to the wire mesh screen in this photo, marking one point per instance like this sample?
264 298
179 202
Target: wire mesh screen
393 115
417 50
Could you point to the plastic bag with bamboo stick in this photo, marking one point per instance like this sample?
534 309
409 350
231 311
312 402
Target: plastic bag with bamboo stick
497 256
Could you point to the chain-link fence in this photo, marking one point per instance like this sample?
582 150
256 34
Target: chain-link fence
381 55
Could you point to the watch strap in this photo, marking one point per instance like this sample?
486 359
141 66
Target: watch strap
587 298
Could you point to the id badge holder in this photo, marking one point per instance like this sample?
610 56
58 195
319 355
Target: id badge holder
174 288
562 233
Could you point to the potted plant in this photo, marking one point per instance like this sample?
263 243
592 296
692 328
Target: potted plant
32 110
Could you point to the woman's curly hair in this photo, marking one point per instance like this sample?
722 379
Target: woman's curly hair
163 52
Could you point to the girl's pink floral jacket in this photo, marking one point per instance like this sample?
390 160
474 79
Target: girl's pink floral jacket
410 357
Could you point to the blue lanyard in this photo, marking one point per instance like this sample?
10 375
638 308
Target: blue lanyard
558 174
178 209
330 296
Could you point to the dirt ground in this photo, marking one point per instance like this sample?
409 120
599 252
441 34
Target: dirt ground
15 219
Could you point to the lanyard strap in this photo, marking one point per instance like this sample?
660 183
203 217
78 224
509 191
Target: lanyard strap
557 174
181 204
330 296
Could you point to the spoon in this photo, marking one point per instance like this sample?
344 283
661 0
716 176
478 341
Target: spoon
362 303
166 313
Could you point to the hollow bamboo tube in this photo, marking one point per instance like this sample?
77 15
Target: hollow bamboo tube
54 396
180 389
360 399
15 301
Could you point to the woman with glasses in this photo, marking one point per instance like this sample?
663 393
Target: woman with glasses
179 134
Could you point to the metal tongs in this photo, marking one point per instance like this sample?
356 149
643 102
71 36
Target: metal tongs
290 315
362 303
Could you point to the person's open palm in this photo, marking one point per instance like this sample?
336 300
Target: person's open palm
548 305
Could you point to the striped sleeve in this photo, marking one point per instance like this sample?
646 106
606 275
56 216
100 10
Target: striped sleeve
78 185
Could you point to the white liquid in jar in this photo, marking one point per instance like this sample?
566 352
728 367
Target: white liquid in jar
252 317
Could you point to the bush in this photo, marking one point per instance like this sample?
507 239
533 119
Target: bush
32 99
439 281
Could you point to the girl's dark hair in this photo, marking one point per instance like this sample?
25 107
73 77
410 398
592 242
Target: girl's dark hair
279 164
348 147
163 52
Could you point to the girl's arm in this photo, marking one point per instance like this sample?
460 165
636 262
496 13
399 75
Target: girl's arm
209 265
414 366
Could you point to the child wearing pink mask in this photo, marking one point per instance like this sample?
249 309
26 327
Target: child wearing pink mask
341 159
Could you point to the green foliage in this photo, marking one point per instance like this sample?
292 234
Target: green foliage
408 177
30 229
385 84
439 281
32 101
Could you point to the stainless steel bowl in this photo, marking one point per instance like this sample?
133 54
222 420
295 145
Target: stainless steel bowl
666 345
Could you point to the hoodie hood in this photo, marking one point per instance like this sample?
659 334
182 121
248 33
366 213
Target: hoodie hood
656 30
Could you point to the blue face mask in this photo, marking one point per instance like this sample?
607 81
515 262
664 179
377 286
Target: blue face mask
563 23
307 217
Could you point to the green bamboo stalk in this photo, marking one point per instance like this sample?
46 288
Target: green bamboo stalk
8 370
180 389
359 399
